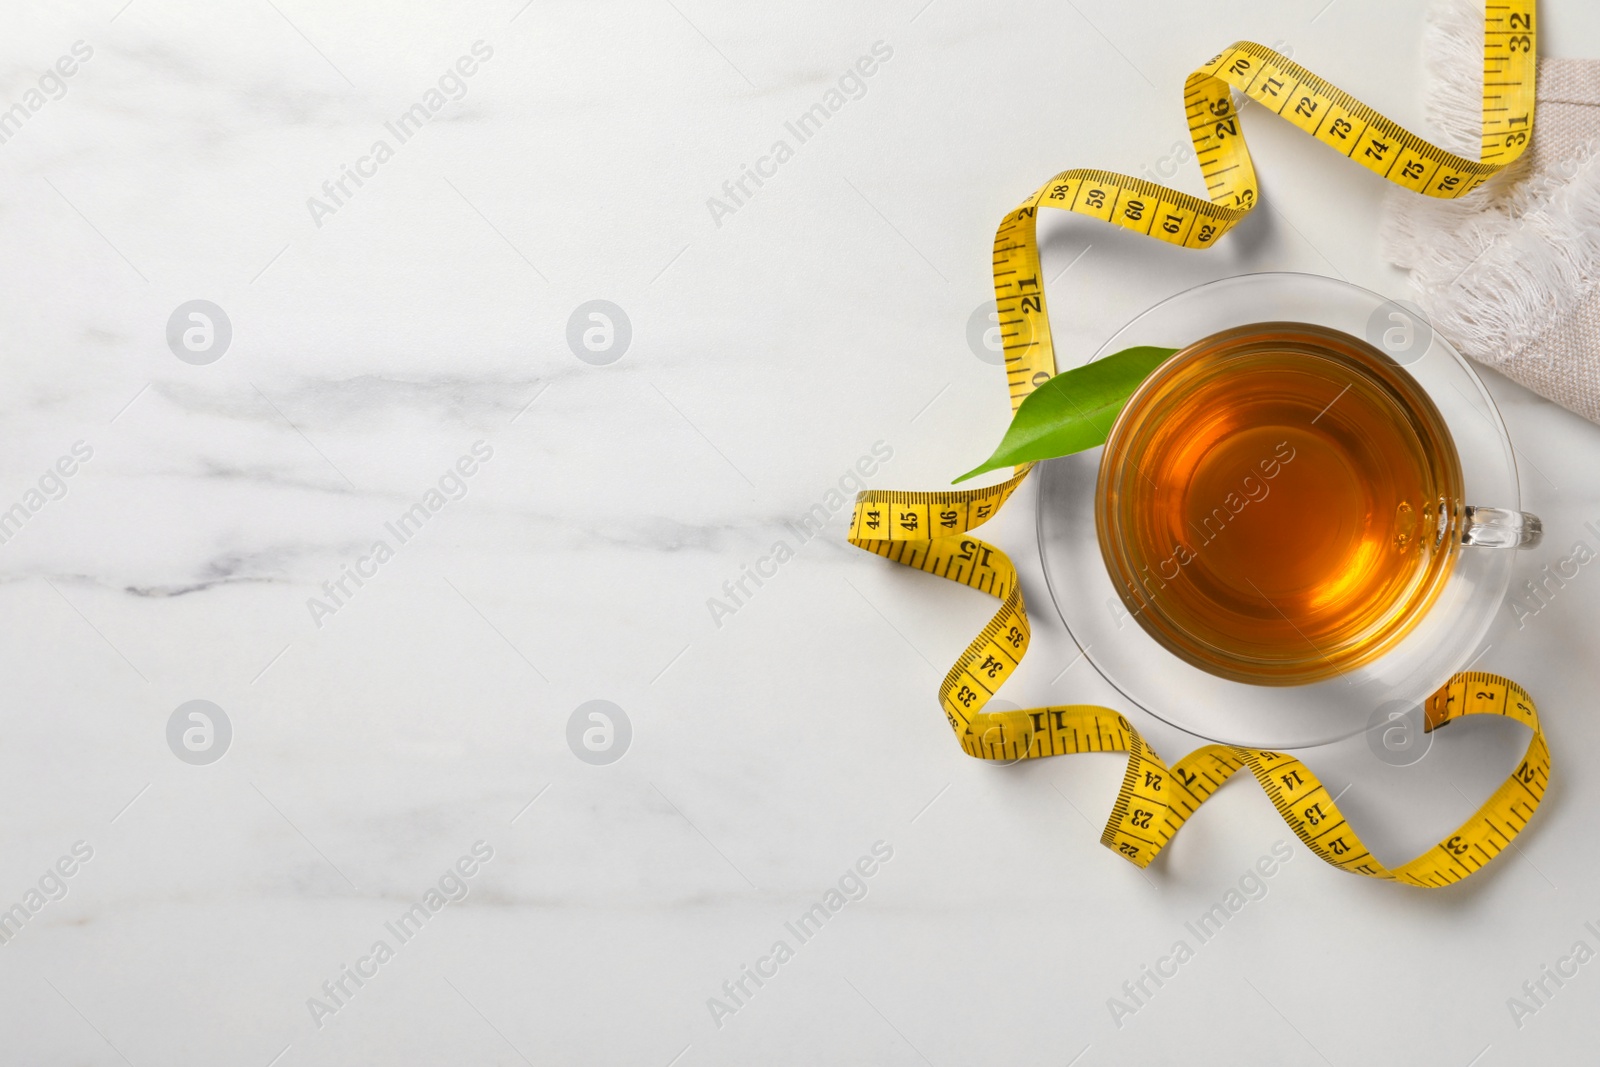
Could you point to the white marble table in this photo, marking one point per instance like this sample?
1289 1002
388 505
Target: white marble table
399 209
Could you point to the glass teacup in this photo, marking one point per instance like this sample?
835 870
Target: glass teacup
1428 644
1280 503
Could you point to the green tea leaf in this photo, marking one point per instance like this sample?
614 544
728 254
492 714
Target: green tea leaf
1074 410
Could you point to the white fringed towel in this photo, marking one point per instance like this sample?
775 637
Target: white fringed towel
1509 274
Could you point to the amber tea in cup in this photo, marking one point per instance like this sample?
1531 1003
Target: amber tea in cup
1280 503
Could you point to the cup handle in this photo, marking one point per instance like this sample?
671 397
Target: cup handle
1499 528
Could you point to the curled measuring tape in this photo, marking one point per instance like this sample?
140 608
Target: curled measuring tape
929 530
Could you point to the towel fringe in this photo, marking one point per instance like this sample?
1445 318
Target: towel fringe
1496 269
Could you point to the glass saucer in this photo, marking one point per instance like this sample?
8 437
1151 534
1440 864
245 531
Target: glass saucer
1238 713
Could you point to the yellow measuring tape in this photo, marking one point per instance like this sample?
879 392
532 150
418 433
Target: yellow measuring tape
929 531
